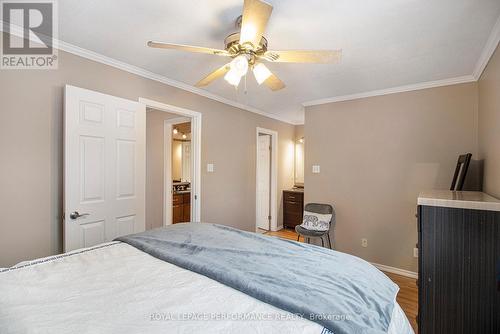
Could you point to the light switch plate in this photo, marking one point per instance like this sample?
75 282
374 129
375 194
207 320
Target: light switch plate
210 168
316 169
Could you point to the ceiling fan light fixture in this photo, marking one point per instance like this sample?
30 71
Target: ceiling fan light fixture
261 73
248 46
233 78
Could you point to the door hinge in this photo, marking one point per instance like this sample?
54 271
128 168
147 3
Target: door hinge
269 217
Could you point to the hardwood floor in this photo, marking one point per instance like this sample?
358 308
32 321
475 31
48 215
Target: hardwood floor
285 234
407 297
408 294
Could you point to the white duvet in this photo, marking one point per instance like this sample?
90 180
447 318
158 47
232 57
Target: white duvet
115 288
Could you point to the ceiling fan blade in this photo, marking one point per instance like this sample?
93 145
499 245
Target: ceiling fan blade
187 48
213 76
256 14
274 83
303 56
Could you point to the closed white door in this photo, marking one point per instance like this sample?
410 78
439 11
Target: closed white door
104 161
263 181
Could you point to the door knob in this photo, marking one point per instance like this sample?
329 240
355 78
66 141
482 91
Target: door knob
74 215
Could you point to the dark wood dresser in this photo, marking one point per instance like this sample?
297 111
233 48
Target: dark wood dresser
181 208
293 207
459 263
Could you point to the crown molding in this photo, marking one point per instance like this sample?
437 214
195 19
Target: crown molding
486 54
393 90
488 50
100 58
97 57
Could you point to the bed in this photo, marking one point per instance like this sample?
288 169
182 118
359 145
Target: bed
116 287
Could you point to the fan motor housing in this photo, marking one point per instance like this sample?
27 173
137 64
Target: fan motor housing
233 46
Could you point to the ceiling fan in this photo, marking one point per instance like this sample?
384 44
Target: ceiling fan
248 48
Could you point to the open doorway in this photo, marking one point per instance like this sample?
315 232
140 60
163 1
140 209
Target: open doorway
172 165
177 208
266 180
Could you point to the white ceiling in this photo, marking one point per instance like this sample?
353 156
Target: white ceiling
385 44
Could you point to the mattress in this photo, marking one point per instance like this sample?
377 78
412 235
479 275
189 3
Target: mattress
114 288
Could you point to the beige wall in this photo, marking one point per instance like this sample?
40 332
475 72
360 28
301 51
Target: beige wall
154 166
489 124
31 118
377 154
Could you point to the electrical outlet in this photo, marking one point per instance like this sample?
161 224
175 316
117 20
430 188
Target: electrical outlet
364 243
316 169
210 168
415 252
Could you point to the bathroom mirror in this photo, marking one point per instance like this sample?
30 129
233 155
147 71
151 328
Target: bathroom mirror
181 160
299 162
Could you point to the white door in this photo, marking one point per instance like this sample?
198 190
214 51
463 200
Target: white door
263 181
104 162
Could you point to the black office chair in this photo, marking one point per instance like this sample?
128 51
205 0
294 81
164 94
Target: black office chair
460 172
324 209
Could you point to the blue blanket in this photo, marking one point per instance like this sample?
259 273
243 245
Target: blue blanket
341 292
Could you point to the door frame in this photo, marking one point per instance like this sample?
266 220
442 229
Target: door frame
167 166
196 119
274 176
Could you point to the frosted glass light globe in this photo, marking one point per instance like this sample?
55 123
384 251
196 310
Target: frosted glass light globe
232 78
240 65
261 73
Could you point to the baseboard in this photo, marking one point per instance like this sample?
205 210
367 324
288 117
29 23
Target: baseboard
396 271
